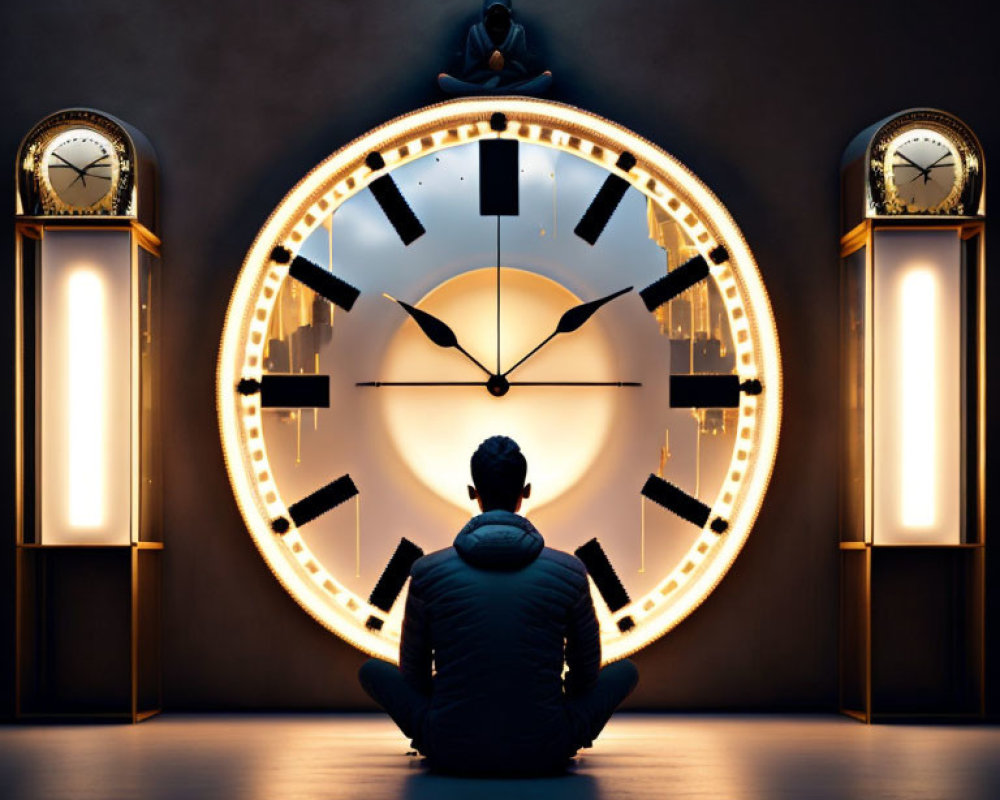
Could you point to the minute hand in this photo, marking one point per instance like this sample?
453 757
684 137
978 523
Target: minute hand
571 321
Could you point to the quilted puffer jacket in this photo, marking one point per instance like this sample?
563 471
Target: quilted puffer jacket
494 617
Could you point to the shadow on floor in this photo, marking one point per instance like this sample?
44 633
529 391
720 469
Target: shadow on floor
428 786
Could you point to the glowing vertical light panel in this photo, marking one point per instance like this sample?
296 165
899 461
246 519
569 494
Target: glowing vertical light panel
918 401
86 389
917 382
86 335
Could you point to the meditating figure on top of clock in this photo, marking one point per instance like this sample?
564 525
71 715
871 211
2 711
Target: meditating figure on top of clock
489 625
495 60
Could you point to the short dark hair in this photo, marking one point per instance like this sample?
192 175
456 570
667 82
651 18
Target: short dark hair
498 471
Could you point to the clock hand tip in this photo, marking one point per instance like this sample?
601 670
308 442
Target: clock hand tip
388 296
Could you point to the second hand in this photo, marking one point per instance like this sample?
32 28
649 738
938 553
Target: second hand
498 294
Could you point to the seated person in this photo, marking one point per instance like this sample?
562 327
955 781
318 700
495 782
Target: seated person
489 625
495 60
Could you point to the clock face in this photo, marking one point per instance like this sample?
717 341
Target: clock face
923 171
80 168
499 266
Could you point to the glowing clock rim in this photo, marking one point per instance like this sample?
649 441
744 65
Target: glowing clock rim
657 175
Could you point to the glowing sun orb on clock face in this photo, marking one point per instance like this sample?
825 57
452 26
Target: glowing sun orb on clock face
340 471
561 430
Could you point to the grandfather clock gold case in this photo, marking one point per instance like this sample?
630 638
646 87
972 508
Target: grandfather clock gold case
913 419
509 266
88 534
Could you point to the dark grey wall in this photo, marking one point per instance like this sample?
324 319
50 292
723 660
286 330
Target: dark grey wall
240 99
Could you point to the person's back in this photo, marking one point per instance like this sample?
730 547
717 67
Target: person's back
489 624
498 607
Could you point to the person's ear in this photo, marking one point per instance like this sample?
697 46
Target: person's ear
474 495
525 494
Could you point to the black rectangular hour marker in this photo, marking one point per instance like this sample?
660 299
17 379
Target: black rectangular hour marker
605 578
596 217
398 211
673 283
673 499
394 576
498 177
322 500
704 391
323 282
295 391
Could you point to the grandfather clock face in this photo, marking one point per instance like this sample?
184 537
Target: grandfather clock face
80 165
499 266
924 170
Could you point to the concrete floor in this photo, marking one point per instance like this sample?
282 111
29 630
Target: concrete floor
336 756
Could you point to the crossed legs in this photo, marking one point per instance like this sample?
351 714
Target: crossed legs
588 712
386 685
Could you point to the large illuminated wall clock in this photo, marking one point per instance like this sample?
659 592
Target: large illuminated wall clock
386 321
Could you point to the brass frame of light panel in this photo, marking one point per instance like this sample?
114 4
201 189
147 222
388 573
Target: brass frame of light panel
979 229
862 236
144 239
147 239
136 545
35 228
914 546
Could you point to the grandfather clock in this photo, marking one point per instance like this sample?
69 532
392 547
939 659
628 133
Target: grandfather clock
912 424
88 532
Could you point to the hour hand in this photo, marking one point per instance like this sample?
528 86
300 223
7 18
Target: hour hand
81 174
436 330
68 163
572 320
909 162
95 164
576 316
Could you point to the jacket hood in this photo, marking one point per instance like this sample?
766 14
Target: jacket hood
500 540
487 4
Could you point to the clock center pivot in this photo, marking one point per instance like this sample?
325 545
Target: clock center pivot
497 385
552 405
